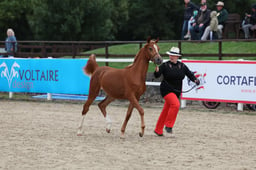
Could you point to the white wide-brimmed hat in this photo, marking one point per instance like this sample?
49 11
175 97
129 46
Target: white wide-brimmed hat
174 51
220 3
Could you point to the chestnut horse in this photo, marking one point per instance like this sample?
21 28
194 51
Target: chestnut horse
127 83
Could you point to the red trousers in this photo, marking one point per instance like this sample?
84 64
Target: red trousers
169 113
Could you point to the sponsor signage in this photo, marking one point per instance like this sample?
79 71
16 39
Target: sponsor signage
224 81
43 76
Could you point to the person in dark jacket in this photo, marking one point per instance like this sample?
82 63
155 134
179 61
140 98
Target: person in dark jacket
173 72
202 20
222 15
189 8
250 22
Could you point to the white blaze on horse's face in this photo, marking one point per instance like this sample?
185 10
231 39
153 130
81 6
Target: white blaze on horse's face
155 46
157 58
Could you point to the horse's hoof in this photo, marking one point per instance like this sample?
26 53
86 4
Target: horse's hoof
141 134
122 136
79 132
107 130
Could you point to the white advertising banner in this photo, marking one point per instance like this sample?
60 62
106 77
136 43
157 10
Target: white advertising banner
224 81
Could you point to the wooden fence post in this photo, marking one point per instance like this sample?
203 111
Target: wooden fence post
220 50
44 51
13 49
73 50
106 53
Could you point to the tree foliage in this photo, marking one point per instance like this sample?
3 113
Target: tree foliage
154 18
72 20
80 20
13 14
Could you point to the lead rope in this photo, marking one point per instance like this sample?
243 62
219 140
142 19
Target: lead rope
179 90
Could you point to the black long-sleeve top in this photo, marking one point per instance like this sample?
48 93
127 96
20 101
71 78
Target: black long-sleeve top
173 74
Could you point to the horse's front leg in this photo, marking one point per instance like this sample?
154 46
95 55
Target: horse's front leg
85 110
128 115
141 112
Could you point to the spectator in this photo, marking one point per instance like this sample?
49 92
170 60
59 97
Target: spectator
222 15
10 42
201 22
249 22
190 22
188 13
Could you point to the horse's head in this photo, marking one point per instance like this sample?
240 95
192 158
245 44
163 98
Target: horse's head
153 51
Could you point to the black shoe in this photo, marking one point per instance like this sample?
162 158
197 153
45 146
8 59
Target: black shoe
158 134
168 129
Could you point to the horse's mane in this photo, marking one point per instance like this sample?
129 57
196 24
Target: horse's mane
140 51
135 58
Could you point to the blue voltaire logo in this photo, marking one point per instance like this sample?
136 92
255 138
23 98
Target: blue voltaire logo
44 76
9 75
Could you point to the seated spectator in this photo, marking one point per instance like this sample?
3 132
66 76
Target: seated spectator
10 42
222 15
250 22
188 13
190 22
201 22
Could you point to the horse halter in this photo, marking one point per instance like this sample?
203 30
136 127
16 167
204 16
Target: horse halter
156 58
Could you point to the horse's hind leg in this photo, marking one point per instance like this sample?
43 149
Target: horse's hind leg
128 115
102 105
92 95
85 110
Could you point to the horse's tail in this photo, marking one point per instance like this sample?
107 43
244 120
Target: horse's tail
91 65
